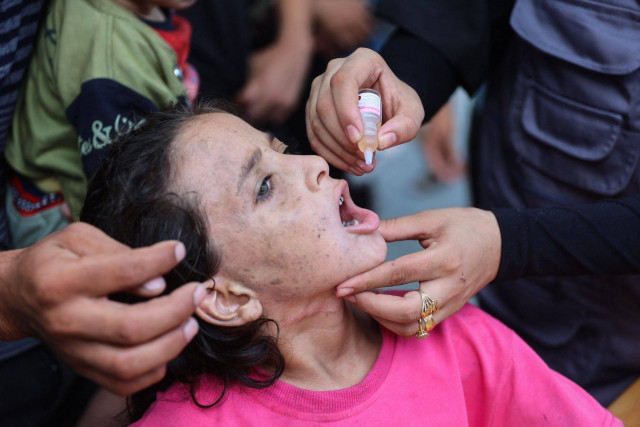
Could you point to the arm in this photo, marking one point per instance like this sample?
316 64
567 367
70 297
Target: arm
423 67
341 25
458 41
57 290
466 248
437 140
459 30
277 73
596 238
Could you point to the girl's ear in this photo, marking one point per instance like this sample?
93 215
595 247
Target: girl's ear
229 303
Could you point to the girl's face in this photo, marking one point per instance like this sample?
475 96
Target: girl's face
284 227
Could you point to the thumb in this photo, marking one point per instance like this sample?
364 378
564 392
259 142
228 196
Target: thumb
410 227
398 130
386 229
415 267
403 113
375 278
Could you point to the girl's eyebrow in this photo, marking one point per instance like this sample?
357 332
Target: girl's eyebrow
247 167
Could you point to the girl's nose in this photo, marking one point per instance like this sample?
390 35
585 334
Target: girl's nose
317 171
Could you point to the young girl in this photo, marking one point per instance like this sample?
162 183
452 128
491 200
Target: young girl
276 347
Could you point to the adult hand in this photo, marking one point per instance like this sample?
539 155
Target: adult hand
277 73
461 255
334 125
341 25
438 144
57 290
274 87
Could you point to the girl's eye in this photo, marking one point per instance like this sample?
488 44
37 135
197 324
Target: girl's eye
265 188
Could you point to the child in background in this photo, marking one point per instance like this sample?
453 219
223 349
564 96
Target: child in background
98 67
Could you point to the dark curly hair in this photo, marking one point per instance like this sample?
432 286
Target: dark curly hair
129 199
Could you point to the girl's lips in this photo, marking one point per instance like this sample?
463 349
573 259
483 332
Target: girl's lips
354 219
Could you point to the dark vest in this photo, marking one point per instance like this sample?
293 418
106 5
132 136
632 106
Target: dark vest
561 125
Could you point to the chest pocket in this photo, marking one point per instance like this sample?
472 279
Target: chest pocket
574 117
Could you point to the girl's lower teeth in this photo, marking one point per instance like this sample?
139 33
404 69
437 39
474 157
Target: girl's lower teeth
350 223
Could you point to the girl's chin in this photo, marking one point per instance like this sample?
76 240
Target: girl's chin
376 251
373 260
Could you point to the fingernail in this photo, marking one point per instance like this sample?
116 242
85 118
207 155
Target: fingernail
190 329
198 295
387 140
154 285
353 134
364 166
351 299
180 251
343 292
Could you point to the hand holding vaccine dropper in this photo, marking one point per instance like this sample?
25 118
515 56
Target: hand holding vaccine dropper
371 111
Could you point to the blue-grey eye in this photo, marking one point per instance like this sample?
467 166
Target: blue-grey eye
265 188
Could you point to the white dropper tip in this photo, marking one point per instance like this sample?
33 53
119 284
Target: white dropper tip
368 156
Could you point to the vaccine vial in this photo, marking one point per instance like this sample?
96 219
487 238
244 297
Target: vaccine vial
370 107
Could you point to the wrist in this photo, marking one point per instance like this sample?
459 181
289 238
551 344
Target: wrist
295 26
296 43
493 244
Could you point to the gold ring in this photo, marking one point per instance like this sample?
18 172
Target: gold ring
429 322
429 305
422 331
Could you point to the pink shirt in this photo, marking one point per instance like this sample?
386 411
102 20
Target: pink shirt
471 370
